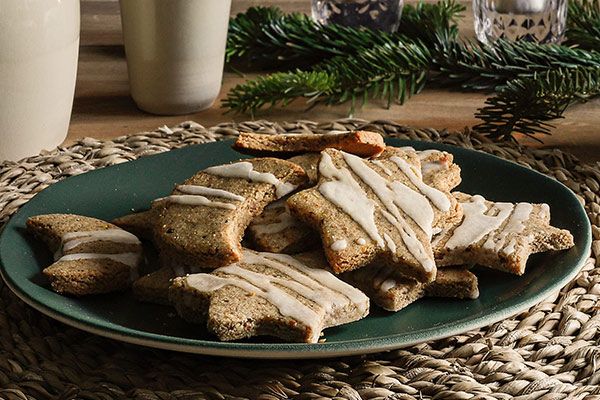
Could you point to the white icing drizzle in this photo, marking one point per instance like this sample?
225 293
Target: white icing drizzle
394 195
501 224
286 220
196 200
424 154
476 223
70 240
515 225
383 167
437 198
545 212
430 167
320 276
347 194
361 241
343 191
339 245
316 285
390 243
245 170
387 285
130 259
207 191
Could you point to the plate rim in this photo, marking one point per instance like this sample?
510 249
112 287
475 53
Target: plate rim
303 350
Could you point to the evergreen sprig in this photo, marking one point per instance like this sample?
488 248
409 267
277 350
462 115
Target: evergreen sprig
393 72
431 23
584 24
265 37
524 105
333 64
475 66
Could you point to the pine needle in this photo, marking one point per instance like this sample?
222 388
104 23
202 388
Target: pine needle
524 105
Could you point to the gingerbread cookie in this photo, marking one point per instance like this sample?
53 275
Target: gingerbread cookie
499 235
310 163
154 287
140 224
276 230
362 143
202 223
379 210
91 256
392 291
268 294
439 170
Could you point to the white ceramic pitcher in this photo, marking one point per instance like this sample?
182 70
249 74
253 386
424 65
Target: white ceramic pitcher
39 45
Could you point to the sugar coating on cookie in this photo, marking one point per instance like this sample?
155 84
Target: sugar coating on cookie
362 143
202 222
269 294
393 292
90 255
383 203
499 235
276 230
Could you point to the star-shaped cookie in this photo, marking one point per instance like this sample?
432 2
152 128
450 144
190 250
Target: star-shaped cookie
392 291
374 210
202 223
91 256
498 235
293 298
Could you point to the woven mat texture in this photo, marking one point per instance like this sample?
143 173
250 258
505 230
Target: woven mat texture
551 351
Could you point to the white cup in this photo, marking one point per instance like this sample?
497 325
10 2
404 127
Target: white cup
175 52
39 45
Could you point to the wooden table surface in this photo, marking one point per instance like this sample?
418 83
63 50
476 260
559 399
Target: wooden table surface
103 108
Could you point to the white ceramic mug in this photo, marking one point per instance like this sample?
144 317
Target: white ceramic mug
175 52
39 45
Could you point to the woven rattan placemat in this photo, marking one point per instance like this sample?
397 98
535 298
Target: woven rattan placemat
552 351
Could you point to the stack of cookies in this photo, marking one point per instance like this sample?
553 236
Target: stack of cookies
302 238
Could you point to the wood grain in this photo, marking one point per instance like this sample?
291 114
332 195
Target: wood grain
103 108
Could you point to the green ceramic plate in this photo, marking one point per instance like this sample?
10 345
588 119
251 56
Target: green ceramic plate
121 189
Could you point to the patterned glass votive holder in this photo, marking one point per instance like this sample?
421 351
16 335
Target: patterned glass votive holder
381 15
541 21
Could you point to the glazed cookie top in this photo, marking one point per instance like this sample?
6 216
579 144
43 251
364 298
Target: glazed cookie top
500 235
365 209
309 295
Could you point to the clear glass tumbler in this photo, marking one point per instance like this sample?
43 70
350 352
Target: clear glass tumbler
374 14
541 21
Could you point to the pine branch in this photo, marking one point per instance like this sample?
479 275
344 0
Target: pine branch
474 66
393 72
583 24
429 23
265 37
525 105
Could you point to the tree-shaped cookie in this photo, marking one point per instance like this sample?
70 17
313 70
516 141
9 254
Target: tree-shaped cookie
293 298
499 235
378 210
91 256
202 223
